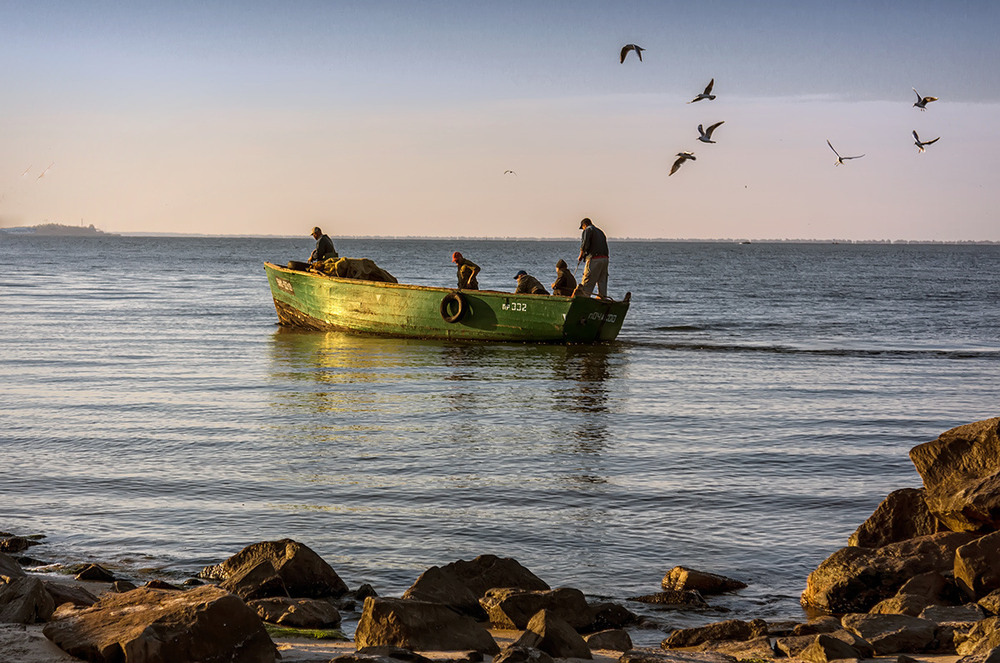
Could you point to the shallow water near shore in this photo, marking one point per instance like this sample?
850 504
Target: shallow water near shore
759 404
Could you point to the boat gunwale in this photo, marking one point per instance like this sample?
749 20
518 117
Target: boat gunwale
430 288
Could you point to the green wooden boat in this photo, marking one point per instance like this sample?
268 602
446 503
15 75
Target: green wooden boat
317 301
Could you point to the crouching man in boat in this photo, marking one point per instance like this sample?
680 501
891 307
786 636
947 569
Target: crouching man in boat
467 271
528 285
594 247
565 282
324 247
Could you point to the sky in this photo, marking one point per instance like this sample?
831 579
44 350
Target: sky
378 118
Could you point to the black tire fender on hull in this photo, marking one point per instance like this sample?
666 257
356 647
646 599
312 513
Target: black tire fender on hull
453 300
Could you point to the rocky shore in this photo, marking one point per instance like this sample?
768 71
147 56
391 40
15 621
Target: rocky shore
918 580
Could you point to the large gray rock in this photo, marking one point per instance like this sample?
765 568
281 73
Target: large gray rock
609 615
438 585
297 613
816 625
62 592
615 639
25 601
952 614
509 608
892 634
992 656
206 624
9 568
674 599
961 473
990 603
302 573
902 515
681 578
854 579
489 571
649 655
555 637
420 626
792 646
984 637
900 604
825 648
977 566
461 584
730 629
517 654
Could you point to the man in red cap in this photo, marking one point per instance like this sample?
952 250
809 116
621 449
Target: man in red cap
467 271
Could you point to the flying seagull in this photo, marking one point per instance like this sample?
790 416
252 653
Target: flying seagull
632 47
706 134
26 171
922 102
681 158
44 171
707 94
840 159
921 143
509 172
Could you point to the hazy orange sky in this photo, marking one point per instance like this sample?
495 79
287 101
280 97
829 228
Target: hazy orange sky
401 118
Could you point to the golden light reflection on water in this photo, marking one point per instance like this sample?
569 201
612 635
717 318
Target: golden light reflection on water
391 408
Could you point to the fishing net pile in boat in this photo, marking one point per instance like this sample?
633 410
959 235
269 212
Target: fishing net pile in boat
354 268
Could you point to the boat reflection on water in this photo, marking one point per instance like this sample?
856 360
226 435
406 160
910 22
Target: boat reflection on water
513 396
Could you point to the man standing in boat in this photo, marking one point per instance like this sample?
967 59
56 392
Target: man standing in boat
467 271
594 247
324 247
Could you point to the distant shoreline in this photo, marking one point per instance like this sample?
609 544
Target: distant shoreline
59 230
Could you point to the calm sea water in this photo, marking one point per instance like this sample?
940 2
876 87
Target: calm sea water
759 404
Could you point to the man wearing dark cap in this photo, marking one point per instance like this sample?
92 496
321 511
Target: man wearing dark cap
565 282
467 271
528 285
594 247
324 247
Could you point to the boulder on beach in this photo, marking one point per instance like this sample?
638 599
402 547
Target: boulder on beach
519 654
681 578
892 634
983 638
608 615
9 568
297 613
674 599
477 576
25 601
276 568
854 579
902 515
63 592
977 566
730 629
555 637
614 639
650 655
510 608
420 626
792 646
961 474
825 648
205 624
438 585
461 584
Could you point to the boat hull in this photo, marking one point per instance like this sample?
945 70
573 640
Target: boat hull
316 301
